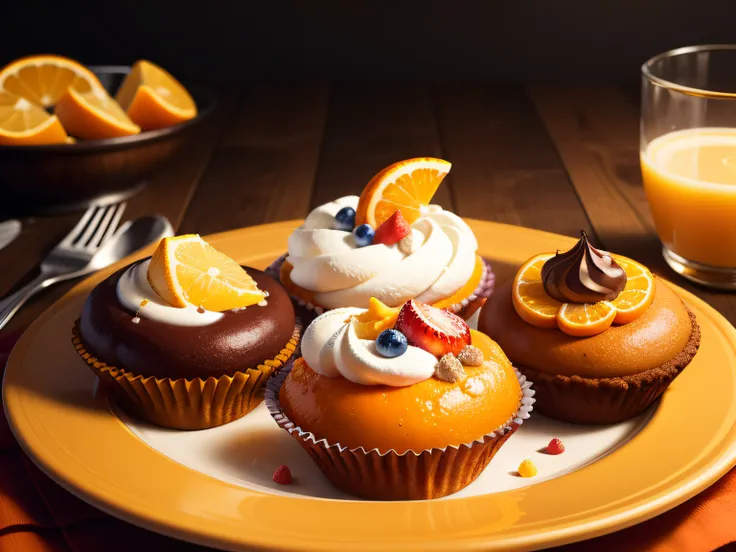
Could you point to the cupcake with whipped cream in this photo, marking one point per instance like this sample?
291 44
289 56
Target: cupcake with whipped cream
187 338
399 403
388 244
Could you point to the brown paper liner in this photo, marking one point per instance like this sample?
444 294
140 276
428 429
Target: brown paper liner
465 308
608 400
183 403
373 475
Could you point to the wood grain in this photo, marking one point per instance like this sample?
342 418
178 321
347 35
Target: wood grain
369 127
505 168
265 169
596 132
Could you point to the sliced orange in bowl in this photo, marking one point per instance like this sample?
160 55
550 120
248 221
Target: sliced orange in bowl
93 116
23 123
153 98
44 79
638 294
406 186
585 319
531 301
186 270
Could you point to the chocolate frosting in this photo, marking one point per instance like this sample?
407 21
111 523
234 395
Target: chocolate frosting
237 341
583 275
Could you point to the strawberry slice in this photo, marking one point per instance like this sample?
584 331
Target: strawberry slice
435 330
392 230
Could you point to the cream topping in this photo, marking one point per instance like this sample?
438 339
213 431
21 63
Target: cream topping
433 263
133 290
331 347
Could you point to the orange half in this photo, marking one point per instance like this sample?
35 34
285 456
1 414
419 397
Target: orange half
93 116
406 186
44 79
23 123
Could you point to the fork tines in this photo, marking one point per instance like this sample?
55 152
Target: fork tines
97 225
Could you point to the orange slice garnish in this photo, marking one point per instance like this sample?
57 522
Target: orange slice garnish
406 186
23 123
376 319
186 270
44 79
585 319
530 300
153 98
638 293
93 116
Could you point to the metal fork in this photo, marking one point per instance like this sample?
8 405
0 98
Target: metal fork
71 257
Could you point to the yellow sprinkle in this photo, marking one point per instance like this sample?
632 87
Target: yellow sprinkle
527 468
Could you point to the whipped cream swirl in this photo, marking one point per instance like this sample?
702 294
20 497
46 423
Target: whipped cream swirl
136 294
331 347
583 275
436 260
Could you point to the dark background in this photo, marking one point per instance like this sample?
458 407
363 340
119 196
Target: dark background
500 41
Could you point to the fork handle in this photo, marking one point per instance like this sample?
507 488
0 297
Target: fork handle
10 305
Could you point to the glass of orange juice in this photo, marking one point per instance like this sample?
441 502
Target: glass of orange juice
688 159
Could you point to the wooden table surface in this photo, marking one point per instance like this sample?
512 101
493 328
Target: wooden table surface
559 158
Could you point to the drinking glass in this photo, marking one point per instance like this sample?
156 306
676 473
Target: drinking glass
688 159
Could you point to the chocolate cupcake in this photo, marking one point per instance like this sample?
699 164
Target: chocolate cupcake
598 334
186 367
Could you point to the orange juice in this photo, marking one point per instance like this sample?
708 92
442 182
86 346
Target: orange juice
690 182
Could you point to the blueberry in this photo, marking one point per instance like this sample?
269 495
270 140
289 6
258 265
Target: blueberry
364 235
345 219
391 343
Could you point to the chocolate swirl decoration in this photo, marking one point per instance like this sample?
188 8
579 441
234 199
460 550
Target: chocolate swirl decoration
583 275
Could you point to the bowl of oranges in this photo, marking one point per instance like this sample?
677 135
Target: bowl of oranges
71 135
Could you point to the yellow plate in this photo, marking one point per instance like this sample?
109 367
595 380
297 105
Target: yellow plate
688 444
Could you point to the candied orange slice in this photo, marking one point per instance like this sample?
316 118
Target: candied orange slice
406 186
186 270
93 116
44 79
531 301
585 319
638 294
153 98
377 318
23 123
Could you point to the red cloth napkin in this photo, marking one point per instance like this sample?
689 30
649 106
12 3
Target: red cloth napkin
37 515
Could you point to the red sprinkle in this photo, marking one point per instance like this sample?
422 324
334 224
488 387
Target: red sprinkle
282 476
555 447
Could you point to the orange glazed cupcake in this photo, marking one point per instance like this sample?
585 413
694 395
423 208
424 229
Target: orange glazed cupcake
399 404
598 334
389 243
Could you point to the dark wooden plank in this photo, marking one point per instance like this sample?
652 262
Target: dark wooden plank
505 168
596 132
265 170
369 127
168 194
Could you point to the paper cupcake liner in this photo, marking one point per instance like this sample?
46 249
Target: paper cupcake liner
375 475
187 403
607 400
465 308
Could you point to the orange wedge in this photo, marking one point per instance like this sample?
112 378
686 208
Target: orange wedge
93 116
377 318
585 319
406 186
153 98
44 79
531 301
23 123
638 293
186 271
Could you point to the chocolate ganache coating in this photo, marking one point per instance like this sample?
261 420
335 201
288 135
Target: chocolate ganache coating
237 341
583 275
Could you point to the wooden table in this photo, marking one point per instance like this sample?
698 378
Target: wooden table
559 158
